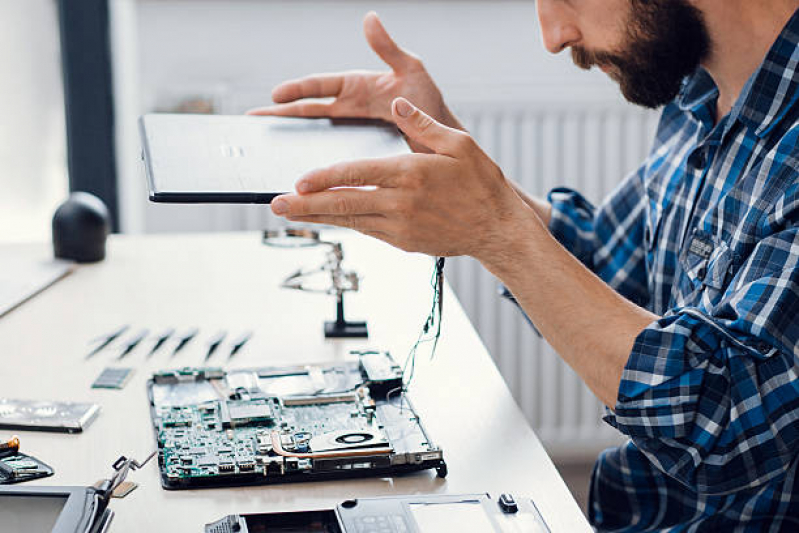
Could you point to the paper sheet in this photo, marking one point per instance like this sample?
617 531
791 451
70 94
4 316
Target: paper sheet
25 271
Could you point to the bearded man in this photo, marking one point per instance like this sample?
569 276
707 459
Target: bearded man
677 299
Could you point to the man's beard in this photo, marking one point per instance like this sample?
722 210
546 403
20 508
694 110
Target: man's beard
666 40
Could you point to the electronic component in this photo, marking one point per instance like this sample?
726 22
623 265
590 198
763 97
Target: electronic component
34 415
166 377
408 514
382 374
112 378
267 425
246 413
18 467
65 509
124 488
10 446
508 504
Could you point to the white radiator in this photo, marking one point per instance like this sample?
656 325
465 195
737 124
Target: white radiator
589 148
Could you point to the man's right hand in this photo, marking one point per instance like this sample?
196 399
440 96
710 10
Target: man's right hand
362 94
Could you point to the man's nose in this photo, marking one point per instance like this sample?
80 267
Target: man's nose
557 28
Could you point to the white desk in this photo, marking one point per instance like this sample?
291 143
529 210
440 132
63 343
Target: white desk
230 281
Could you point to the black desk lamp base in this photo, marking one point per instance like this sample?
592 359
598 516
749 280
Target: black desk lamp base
342 328
334 330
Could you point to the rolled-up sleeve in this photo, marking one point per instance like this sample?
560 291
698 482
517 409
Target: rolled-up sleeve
610 239
710 394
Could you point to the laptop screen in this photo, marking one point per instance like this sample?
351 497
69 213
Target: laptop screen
32 514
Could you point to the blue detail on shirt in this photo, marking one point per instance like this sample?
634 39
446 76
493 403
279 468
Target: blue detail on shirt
705 234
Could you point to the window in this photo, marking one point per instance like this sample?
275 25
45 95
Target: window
33 171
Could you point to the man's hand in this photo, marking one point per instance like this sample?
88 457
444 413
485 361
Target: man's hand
454 201
361 94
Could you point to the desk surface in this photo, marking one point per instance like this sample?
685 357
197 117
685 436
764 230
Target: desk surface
230 281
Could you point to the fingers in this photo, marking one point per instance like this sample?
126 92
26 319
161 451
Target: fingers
296 109
336 202
380 172
372 225
317 86
384 46
424 130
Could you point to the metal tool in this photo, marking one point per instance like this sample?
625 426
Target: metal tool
107 339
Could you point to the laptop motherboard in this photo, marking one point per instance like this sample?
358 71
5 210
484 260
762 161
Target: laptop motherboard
283 424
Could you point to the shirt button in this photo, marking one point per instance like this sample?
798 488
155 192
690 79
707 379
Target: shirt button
698 159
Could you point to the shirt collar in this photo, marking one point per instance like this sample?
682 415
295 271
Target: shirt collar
697 91
769 93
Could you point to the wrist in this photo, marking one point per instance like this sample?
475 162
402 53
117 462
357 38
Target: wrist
514 242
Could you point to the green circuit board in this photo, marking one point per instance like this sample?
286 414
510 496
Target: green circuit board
220 428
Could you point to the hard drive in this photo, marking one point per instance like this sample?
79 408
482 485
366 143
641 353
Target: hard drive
38 415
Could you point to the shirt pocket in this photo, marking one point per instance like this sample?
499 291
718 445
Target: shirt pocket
707 263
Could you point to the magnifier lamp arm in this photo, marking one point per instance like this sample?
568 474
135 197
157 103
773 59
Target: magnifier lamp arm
341 280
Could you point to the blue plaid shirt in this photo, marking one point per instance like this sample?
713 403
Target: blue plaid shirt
706 235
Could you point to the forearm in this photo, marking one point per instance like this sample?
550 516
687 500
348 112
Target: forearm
592 327
541 207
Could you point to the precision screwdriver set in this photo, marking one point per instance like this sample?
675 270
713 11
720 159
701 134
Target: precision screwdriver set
123 342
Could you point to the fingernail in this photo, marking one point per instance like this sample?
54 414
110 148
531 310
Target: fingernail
403 107
280 207
303 186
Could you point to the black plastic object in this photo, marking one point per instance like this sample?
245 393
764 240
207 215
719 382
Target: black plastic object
508 504
80 508
343 328
17 467
80 228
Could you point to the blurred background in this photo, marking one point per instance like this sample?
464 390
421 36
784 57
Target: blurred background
78 73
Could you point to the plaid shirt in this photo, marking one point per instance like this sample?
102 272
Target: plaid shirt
706 235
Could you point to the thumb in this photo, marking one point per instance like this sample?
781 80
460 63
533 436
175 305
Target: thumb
424 130
384 46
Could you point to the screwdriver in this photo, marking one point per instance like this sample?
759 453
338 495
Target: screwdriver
185 340
161 340
108 339
239 343
214 343
132 343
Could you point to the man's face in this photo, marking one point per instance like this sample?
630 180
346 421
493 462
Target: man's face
650 48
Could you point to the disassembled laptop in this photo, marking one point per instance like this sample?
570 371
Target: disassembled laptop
278 424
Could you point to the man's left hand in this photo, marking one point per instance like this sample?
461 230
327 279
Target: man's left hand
454 201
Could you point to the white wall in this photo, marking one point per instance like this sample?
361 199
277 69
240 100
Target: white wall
235 51
468 45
